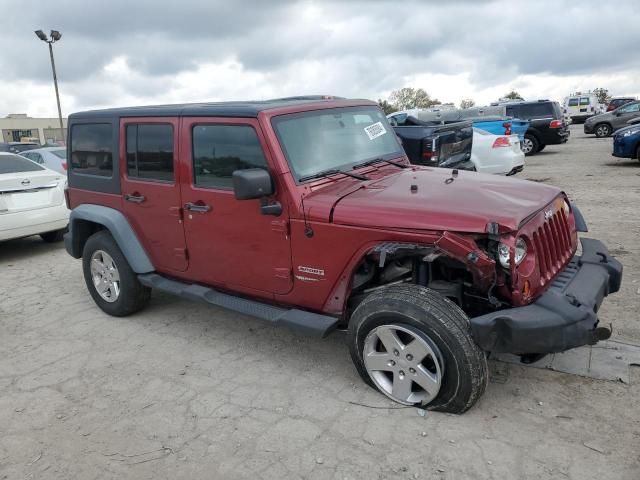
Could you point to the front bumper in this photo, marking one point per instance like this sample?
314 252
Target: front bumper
563 317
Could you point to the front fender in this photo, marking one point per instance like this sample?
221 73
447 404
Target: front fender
117 224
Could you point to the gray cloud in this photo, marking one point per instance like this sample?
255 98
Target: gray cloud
376 43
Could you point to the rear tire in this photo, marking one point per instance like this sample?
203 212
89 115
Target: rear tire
53 237
602 130
530 145
420 315
106 269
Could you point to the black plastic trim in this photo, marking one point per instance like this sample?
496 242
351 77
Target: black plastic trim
300 321
564 317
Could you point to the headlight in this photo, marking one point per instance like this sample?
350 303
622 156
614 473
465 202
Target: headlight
504 252
633 131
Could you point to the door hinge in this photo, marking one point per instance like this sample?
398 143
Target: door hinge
283 273
281 226
181 253
176 212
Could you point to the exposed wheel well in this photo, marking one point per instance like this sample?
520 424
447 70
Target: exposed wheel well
82 230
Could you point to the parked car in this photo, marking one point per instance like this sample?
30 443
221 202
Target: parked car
54 158
18 147
491 119
309 214
445 146
618 102
31 200
497 154
626 141
605 124
546 124
581 107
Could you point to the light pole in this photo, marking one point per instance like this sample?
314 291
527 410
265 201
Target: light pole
55 36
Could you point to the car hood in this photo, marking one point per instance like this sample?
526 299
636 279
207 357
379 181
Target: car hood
431 199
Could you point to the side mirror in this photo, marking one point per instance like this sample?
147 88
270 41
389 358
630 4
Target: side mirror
256 183
251 183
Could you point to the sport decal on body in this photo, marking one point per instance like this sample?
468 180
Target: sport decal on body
375 130
311 270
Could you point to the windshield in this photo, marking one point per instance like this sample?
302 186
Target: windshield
338 138
60 153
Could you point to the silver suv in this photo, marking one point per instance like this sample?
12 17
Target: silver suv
605 124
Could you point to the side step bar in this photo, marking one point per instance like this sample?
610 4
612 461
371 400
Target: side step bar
299 321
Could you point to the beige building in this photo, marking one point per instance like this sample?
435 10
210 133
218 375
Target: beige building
17 127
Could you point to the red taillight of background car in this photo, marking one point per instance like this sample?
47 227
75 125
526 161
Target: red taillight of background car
501 142
66 198
64 166
507 128
610 107
555 124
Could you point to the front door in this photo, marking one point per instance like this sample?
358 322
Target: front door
230 243
150 189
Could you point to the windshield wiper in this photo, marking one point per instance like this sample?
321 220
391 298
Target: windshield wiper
376 160
332 171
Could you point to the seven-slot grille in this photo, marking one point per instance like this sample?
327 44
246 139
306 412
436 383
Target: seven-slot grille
552 242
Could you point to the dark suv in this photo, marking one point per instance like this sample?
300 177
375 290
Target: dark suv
546 124
307 213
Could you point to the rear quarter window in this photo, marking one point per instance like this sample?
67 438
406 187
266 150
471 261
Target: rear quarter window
536 110
91 149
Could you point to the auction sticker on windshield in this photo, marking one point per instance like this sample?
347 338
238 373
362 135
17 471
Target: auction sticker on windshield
375 130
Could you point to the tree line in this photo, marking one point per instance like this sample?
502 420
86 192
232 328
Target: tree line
408 98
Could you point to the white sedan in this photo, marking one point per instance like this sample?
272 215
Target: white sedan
54 158
31 200
497 154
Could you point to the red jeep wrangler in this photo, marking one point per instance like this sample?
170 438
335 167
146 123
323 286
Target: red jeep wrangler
306 212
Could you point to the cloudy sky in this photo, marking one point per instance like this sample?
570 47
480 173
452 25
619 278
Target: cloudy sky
132 52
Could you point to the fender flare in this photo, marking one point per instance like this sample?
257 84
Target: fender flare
117 224
581 224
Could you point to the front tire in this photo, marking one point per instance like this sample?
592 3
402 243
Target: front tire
602 130
530 145
113 285
415 346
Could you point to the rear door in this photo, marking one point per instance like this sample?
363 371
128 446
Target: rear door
150 189
231 244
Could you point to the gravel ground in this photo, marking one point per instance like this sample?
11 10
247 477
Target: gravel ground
188 391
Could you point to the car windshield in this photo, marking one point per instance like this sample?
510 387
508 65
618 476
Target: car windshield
16 164
338 138
60 153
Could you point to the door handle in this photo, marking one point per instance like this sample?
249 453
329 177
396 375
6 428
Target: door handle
135 198
198 207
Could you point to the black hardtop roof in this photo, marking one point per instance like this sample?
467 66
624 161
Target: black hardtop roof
214 109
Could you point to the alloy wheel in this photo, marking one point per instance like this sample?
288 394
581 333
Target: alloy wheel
105 276
404 364
527 146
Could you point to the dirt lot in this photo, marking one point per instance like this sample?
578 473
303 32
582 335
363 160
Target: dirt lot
189 391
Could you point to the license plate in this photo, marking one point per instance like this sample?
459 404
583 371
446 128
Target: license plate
20 201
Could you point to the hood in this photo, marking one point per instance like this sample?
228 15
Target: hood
426 199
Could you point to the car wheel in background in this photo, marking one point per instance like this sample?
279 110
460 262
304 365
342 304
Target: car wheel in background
530 145
602 130
638 152
52 237
415 346
113 285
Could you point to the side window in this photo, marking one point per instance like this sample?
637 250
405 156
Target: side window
632 107
150 152
512 112
573 102
36 157
91 149
533 110
219 150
